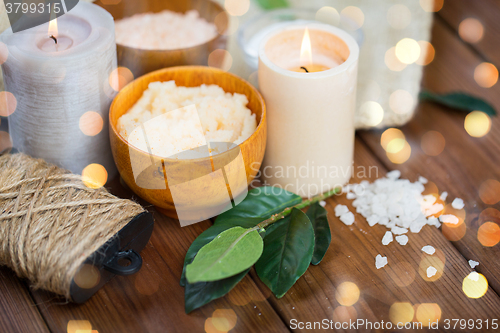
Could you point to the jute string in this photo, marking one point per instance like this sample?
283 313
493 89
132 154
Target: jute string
50 222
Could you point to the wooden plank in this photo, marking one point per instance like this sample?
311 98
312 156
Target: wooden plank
18 312
152 300
351 258
466 162
487 12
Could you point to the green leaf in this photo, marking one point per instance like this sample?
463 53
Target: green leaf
459 101
288 249
231 252
198 294
260 202
273 4
322 234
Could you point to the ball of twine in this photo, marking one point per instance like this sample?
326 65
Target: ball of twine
50 222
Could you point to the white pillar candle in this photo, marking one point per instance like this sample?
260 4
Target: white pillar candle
310 139
56 84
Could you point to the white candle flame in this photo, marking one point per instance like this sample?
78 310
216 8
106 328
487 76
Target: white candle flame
305 50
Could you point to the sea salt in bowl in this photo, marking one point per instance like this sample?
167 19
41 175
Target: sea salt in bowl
141 60
200 184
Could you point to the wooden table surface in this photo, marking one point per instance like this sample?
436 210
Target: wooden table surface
153 301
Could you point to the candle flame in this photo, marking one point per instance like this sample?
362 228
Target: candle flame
305 50
53 27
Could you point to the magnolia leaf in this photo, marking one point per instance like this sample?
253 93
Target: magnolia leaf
322 234
288 250
459 101
273 4
231 252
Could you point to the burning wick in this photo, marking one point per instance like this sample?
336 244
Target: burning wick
302 67
53 38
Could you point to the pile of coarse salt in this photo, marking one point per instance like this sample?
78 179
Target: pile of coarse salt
399 205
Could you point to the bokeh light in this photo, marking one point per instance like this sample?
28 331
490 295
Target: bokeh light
355 14
389 135
210 328
477 124
471 30
344 314
431 5
147 282
224 319
91 123
488 234
8 103
87 277
402 273
5 141
347 293
120 77
428 313
79 325
220 59
372 113
94 176
433 143
475 285
401 102
489 214
328 15
392 62
401 312
454 232
399 16
489 191
395 146
486 75
437 260
407 51
237 7
427 53
226 26
401 156
4 53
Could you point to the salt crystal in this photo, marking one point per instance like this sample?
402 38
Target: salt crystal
387 238
399 231
422 180
350 196
380 261
341 209
457 203
322 203
443 196
449 218
433 221
473 263
430 250
372 220
431 271
347 218
434 209
403 240
416 227
395 174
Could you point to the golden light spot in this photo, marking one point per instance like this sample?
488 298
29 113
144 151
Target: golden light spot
328 15
371 91
427 53
471 30
402 274
226 26
344 314
4 53
407 51
91 123
347 293
395 145
120 77
220 59
8 103
5 141
401 102
210 328
372 113
431 188
475 285
78 325
401 312
389 135
489 191
224 319
477 124
454 232
237 7
486 75
401 156
488 234
437 260
87 277
431 5
147 282
399 16
392 62
433 143
94 175
355 14
428 313
489 214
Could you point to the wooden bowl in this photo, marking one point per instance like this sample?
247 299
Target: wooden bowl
144 173
141 61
